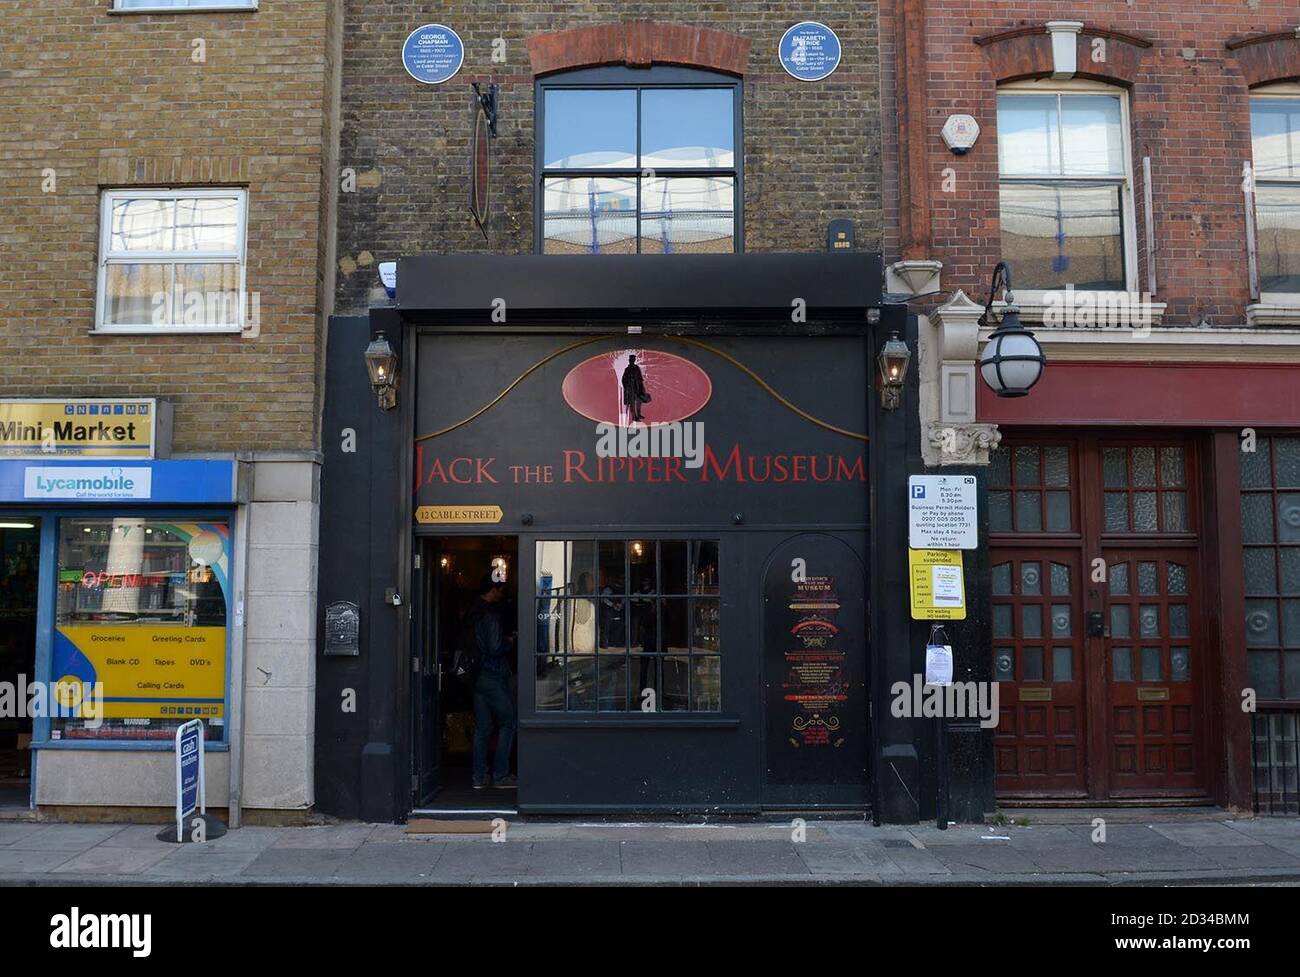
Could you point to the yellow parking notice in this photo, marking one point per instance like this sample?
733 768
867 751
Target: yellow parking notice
938 585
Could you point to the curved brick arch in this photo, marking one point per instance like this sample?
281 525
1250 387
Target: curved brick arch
1026 52
1268 58
639 44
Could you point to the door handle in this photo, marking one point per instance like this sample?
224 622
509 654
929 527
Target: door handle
439 668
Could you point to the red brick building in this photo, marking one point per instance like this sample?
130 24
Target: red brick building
1138 167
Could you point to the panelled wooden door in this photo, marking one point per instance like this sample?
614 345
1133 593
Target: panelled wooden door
1038 663
1097 642
1153 724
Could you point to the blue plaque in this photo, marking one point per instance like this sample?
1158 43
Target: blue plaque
432 54
810 51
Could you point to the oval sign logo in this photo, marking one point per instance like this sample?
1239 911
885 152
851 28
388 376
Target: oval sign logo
605 388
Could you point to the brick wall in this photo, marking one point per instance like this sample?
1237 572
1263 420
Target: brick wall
109 100
811 149
1190 114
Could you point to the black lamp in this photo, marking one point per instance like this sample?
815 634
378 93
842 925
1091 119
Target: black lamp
893 360
381 364
1013 360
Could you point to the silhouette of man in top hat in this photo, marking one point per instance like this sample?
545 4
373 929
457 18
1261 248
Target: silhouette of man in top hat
634 392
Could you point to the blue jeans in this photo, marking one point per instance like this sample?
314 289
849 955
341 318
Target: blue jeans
492 707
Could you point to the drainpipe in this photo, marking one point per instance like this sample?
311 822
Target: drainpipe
239 587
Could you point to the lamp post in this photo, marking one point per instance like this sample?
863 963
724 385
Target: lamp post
1013 360
381 364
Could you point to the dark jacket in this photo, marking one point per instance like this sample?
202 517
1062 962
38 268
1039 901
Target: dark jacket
493 648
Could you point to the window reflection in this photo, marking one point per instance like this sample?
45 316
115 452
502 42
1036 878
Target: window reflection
648 638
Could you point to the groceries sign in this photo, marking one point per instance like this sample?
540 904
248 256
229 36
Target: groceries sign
84 428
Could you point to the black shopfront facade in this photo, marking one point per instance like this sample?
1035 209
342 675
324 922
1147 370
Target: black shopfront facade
710 602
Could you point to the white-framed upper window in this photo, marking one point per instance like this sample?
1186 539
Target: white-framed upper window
1275 139
1066 187
172 260
182 5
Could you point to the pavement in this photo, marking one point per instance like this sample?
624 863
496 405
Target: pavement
1219 852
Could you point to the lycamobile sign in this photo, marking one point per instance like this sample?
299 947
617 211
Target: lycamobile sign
68 482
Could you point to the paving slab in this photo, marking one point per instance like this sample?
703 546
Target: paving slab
391 862
482 859
1204 833
199 864
21 862
144 836
327 836
1250 856
102 860
666 859
987 858
589 859
834 859
67 837
11 831
296 863
766 859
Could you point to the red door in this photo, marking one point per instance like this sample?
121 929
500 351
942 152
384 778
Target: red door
1040 741
1104 700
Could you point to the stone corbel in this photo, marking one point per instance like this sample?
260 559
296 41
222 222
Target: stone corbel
952 436
962 444
913 277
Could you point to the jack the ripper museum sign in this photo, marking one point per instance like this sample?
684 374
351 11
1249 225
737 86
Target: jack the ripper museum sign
743 431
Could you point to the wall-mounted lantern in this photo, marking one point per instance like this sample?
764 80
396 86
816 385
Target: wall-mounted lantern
381 364
1013 360
893 360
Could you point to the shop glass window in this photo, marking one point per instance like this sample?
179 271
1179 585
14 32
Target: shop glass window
142 607
1145 488
628 167
1275 130
1032 489
172 261
1270 533
628 625
1065 189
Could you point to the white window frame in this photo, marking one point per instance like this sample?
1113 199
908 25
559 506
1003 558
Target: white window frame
227 6
239 254
1033 302
1273 306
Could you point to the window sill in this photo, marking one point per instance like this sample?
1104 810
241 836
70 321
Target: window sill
148 746
1274 310
632 721
1087 310
167 331
234 8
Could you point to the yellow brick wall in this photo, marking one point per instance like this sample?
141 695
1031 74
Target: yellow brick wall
108 100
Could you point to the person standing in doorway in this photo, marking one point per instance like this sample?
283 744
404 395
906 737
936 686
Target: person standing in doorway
494 706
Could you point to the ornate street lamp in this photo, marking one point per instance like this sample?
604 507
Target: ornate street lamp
893 360
381 364
1012 361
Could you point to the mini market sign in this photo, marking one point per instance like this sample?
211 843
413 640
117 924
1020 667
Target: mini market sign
82 428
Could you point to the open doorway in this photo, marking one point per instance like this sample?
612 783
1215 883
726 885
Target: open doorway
20 548
453 571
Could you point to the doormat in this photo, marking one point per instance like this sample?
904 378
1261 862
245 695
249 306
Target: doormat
432 826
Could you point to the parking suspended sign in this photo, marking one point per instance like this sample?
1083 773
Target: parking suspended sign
941 512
